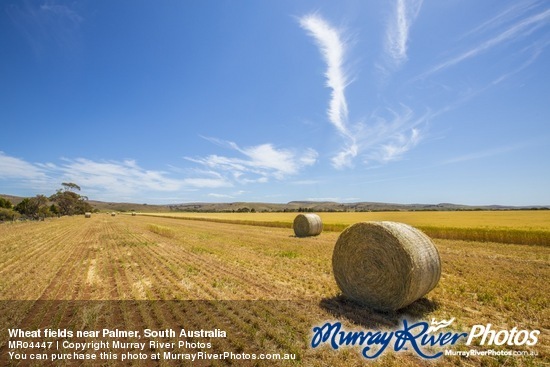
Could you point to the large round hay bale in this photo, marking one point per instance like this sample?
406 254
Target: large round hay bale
87 215
307 225
385 265
113 214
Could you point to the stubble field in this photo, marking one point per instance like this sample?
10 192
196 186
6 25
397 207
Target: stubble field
266 288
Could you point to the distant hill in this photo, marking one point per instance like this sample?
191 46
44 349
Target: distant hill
13 199
293 206
127 207
324 206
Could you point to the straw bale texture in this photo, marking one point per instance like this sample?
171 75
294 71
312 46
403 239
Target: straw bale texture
385 265
307 225
87 215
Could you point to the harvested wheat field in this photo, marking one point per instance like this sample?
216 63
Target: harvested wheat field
263 287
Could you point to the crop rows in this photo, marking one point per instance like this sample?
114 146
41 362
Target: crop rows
262 285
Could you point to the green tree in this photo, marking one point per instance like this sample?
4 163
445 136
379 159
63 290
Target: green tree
66 201
69 186
54 210
8 214
69 202
26 207
5 203
83 206
40 201
33 207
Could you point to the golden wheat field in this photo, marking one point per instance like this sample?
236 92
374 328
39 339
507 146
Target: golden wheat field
513 226
264 287
513 219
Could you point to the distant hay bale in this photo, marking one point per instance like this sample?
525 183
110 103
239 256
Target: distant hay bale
307 225
133 214
87 215
385 265
113 214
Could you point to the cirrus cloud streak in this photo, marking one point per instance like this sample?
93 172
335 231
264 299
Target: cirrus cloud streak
104 180
257 163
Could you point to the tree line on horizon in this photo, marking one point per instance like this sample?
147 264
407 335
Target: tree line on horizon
66 201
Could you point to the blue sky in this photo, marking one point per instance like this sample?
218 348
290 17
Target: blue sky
220 101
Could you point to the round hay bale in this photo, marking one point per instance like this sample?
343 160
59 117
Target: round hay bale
133 214
307 225
87 215
113 214
385 265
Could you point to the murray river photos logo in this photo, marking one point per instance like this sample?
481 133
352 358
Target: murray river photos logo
417 337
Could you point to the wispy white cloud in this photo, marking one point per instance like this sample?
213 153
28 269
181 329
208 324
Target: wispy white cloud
519 29
257 163
333 49
382 138
62 11
221 196
231 195
46 25
124 177
392 134
534 51
487 153
305 182
514 11
206 182
107 179
344 158
398 28
394 150
13 167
